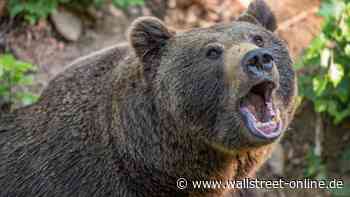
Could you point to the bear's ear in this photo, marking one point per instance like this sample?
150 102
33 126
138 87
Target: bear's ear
147 35
260 13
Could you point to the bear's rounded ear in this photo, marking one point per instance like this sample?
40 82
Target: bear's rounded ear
147 35
260 13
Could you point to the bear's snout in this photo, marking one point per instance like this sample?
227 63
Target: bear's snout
257 63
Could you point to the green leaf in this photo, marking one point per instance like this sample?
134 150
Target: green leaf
3 90
31 19
7 61
24 67
342 115
320 106
332 107
327 10
28 98
319 85
15 73
342 90
344 27
315 47
325 57
1 70
98 3
26 80
333 9
15 9
123 4
347 50
336 74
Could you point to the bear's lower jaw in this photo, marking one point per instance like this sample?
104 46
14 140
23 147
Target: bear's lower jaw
269 130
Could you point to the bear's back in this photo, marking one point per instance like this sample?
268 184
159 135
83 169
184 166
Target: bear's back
68 126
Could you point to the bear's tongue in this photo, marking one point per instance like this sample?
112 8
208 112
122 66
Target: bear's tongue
260 106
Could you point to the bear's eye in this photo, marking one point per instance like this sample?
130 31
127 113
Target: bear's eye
258 40
214 52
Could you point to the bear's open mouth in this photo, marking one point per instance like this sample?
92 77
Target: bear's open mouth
259 113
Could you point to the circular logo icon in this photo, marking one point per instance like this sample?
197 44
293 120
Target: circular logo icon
181 183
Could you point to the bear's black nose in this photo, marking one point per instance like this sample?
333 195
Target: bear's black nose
257 61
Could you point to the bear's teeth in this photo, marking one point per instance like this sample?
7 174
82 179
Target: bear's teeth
259 124
265 124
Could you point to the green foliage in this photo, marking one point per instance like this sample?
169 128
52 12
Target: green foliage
123 4
315 168
341 192
327 63
33 10
345 157
344 161
13 73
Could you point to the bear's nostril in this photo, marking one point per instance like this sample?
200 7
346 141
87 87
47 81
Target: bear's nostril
267 62
267 58
254 60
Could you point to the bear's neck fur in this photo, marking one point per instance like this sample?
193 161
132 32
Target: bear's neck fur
153 152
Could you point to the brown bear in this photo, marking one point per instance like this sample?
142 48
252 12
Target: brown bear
207 104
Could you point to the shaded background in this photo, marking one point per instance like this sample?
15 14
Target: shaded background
312 148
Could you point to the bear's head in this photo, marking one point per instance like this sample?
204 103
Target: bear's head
231 85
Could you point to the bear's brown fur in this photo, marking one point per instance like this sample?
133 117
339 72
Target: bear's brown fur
130 120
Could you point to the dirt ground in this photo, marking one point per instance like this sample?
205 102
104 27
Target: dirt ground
298 25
